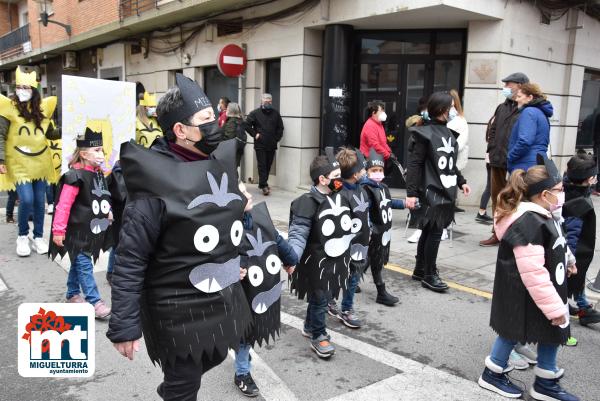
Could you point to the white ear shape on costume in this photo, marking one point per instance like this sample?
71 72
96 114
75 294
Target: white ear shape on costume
384 199
336 207
447 148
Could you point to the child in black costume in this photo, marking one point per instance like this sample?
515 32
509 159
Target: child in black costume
81 220
380 214
320 234
580 226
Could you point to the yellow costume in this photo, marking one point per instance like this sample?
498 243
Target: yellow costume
146 134
27 156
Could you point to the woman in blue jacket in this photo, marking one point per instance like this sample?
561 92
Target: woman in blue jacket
531 132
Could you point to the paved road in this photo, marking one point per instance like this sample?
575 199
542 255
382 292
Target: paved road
428 347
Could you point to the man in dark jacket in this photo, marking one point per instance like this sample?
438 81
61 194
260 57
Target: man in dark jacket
266 127
177 272
498 136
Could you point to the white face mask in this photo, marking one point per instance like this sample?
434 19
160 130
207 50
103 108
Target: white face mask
94 158
507 92
24 95
382 116
452 114
150 111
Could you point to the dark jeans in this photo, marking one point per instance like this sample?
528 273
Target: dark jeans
81 274
50 190
428 246
264 159
485 196
316 315
10 203
348 298
32 200
182 381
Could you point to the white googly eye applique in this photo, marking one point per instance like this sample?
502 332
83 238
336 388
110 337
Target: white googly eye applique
346 222
356 226
104 206
328 227
206 238
384 216
450 163
389 212
442 162
237 230
559 274
273 264
95 207
255 275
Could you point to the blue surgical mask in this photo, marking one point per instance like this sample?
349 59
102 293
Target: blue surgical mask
425 115
507 92
452 114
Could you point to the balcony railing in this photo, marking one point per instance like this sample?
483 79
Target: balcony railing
128 8
14 38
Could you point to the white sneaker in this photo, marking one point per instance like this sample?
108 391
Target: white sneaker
516 361
23 248
40 246
415 237
445 235
50 209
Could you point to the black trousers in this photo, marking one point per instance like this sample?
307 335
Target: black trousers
428 246
264 160
182 381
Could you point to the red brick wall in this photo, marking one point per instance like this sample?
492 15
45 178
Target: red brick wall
82 15
9 13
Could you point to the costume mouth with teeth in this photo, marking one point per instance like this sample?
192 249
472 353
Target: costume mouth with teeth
194 305
262 284
27 155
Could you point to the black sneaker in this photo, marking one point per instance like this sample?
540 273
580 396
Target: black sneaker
573 310
484 218
588 315
246 385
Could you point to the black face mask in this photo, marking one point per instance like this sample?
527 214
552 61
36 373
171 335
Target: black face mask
212 135
335 184
267 107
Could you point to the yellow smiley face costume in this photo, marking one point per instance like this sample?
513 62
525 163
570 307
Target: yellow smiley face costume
27 155
146 134
56 156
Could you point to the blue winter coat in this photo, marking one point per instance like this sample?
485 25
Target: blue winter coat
530 135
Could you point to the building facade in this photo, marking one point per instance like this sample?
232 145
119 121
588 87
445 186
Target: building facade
323 60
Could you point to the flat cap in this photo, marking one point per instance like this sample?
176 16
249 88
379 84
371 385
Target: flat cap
517 77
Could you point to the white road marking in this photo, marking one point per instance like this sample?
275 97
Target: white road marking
271 386
3 286
416 382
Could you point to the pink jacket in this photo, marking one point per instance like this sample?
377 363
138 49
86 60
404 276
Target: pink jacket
373 136
62 211
530 263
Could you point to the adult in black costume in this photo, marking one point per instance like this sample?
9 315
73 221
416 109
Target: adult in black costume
433 178
177 270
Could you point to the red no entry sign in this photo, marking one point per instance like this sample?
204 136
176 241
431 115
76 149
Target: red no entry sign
231 61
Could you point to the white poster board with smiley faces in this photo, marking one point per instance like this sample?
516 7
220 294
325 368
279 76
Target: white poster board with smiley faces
106 105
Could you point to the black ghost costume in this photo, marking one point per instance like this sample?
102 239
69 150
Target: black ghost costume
88 228
324 266
515 315
177 271
432 175
358 198
262 283
193 302
380 213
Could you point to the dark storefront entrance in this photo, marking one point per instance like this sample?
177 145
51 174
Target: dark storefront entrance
399 68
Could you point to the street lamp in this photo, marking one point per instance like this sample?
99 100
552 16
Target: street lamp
46 20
